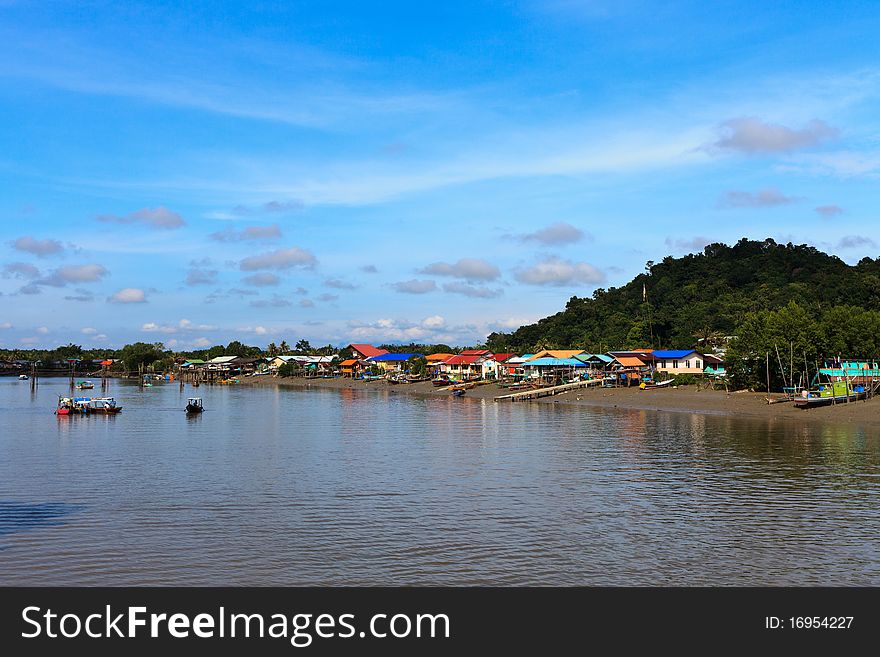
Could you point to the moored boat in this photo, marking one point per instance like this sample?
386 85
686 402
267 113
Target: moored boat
103 405
833 392
22 377
194 405
85 385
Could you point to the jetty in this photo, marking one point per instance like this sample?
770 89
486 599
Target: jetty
526 395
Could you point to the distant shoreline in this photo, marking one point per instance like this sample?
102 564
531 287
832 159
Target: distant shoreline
685 399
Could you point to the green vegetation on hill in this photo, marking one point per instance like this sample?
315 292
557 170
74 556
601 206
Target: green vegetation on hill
705 295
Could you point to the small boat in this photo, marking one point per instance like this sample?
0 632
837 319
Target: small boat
440 382
103 406
458 392
194 405
22 377
835 392
650 385
65 406
85 385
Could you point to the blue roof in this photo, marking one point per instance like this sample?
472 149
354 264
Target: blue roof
556 362
673 353
394 357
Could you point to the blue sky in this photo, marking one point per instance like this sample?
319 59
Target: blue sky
196 172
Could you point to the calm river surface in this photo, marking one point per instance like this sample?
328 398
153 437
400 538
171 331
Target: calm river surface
287 487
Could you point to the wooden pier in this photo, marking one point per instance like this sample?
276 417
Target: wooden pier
526 395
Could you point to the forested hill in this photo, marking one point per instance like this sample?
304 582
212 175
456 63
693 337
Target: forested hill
704 295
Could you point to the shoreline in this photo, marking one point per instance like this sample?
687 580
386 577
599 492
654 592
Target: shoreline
864 414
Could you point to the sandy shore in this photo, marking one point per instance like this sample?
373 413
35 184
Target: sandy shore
684 399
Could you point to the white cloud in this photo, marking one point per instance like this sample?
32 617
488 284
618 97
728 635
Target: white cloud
5 325
339 284
471 269
89 331
434 322
556 272
201 342
280 259
38 247
42 330
161 218
129 295
153 327
752 135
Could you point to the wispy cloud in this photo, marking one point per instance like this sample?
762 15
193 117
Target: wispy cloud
38 247
555 234
415 286
471 269
339 284
270 232
199 276
280 259
828 211
752 135
478 292
688 243
128 295
74 274
161 218
21 270
264 279
764 198
856 242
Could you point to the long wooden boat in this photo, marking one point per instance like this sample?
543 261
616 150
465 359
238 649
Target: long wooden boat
834 392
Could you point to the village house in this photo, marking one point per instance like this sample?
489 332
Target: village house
463 366
679 361
365 351
493 367
392 362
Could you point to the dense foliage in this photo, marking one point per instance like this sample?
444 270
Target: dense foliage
703 299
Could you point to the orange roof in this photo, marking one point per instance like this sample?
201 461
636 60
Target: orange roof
630 361
349 362
438 357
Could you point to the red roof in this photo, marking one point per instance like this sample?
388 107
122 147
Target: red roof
368 350
475 352
462 359
502 357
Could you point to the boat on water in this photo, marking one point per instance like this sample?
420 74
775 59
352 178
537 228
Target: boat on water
22 377
87 406
441 381
194 405
459 392
833 392
85 385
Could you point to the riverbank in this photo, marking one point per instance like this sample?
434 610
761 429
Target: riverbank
683 399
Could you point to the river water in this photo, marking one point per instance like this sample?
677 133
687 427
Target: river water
277 486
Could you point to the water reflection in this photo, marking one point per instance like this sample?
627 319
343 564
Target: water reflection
279 486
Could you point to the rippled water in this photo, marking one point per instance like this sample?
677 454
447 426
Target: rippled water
288 487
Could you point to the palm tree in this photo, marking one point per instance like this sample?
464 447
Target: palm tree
708 338
283 347
272 349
